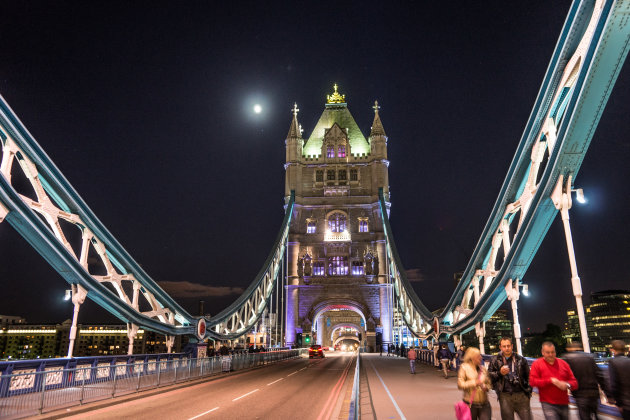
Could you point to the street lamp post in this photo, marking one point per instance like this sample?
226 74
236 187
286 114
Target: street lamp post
561 197
513 293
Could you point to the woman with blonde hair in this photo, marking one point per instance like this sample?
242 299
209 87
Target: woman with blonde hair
473 379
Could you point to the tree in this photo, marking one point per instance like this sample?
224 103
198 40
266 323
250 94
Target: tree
552 333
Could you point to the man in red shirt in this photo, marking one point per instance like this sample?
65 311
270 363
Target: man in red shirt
554 378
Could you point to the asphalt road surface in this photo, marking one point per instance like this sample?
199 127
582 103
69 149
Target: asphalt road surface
300 388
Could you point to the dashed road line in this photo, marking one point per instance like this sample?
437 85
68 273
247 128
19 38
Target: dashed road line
245 395
203 414
277 380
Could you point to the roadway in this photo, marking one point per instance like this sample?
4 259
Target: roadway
298 388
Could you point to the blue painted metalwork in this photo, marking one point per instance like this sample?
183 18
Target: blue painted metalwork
573 116
57 200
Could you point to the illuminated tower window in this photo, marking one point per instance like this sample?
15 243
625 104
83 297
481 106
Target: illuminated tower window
330 175
330 151
354 175
363 224
319 176
338 266
318 269
337 222
357 268
310 226
342 151
343 175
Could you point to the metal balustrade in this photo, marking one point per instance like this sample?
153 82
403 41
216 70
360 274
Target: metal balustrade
34 392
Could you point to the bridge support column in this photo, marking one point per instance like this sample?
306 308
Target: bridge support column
78 297
292 314
513 293
480 330
320 330
386 315
561 197
170 340
132 331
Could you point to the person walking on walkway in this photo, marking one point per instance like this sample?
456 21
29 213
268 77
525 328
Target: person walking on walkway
411 355
619 371
588 376
509 373
459 357
475 382
445 356
553 377
403 353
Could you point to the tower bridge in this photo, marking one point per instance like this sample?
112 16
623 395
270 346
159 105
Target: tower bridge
334 264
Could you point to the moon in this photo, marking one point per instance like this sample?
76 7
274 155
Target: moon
257 109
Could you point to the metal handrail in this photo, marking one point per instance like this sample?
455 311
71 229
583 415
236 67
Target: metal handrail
34 392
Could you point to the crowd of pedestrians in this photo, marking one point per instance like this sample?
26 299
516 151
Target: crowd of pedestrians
512 379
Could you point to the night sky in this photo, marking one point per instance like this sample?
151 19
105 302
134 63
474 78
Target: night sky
146 108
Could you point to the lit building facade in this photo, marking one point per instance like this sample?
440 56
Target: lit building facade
608 318
336 252
27 341
499 325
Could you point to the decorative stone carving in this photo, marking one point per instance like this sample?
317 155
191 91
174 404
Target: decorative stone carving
308 271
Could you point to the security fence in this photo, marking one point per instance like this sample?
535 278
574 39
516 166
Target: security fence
32 392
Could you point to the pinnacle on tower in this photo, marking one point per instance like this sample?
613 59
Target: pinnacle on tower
377 125
295 131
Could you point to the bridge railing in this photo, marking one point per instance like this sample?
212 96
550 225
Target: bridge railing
30 393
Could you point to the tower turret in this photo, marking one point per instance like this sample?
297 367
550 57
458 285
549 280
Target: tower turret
293 145
378 147
378 138
294 139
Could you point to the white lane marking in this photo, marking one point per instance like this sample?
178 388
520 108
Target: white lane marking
277 380
245 395
303 368
402 416
203 414
292 373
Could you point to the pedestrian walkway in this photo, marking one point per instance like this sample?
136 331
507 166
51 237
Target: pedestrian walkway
397 394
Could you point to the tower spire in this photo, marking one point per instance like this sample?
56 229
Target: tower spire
294 131
377 125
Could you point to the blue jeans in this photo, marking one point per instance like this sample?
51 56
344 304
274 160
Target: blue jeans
555 411
412 365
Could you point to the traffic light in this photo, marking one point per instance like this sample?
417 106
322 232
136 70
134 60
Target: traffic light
298 340
307 339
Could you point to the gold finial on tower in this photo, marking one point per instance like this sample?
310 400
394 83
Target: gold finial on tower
295 109
376 107
336 98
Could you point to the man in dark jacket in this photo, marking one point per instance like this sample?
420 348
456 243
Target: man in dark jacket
445 356
509 373
588 376
619 372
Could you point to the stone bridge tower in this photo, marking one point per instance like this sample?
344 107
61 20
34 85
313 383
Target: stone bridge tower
337 276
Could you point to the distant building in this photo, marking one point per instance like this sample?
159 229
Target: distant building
608 318
571 330
499 325
24 341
